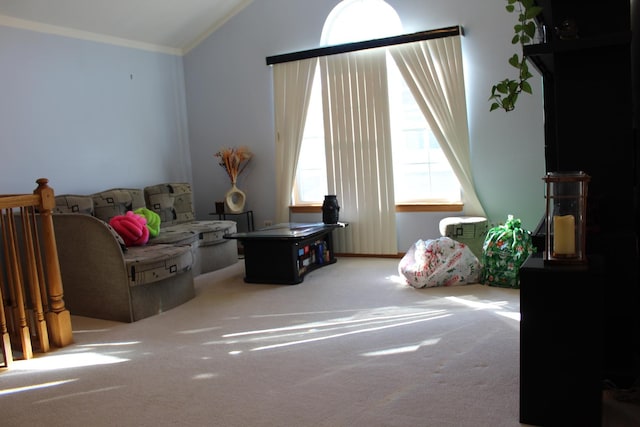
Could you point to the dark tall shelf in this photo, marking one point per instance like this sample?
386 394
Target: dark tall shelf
542 55
589 126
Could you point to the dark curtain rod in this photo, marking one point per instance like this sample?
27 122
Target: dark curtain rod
368 44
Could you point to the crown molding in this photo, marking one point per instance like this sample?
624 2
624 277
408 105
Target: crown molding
39 27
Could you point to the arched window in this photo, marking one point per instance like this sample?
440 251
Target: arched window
421 171
357 20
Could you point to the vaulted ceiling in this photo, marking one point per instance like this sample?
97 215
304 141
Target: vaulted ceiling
173 26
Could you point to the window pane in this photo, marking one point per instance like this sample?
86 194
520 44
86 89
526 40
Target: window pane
421 171
311 175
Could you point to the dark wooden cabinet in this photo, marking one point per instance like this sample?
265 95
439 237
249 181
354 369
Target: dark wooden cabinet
589 126
588 102
560 343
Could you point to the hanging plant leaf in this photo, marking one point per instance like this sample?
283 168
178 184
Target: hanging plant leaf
515 61
505 93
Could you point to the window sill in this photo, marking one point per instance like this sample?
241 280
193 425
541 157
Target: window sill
430 207
407 207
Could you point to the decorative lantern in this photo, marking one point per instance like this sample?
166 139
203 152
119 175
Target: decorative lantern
566 196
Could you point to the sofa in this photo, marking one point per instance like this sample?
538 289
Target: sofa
104 278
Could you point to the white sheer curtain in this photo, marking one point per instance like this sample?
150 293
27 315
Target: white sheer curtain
292 83
358 150
434 73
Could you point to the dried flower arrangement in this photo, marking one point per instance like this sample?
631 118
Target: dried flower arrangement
234 161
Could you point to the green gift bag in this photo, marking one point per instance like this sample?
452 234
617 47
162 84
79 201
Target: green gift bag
504 250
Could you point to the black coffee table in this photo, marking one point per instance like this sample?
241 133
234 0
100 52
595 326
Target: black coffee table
285 253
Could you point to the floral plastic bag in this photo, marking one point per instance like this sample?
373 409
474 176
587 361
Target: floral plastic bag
439 262
505 249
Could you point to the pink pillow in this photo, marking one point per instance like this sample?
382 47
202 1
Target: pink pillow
132 228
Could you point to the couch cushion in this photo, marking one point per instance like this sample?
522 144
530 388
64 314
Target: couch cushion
208 232
152 263
73 203
117 201
172 201
175 236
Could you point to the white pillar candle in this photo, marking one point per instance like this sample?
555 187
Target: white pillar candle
564 241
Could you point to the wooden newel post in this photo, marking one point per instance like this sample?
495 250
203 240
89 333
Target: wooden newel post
58 317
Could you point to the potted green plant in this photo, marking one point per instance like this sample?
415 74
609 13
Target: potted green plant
505 93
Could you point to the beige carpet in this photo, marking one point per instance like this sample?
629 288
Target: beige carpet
350 346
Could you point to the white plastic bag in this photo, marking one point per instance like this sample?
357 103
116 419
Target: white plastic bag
439 262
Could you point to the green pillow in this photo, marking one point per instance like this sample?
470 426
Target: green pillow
153 220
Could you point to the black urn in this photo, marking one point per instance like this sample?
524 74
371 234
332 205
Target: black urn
330 209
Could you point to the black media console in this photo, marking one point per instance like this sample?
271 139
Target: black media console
284 253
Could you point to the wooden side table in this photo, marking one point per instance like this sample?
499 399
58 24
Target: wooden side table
247 214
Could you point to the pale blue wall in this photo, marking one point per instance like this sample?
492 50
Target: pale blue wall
230 103
88 116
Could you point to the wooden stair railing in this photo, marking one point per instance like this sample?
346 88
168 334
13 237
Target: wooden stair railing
31 290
